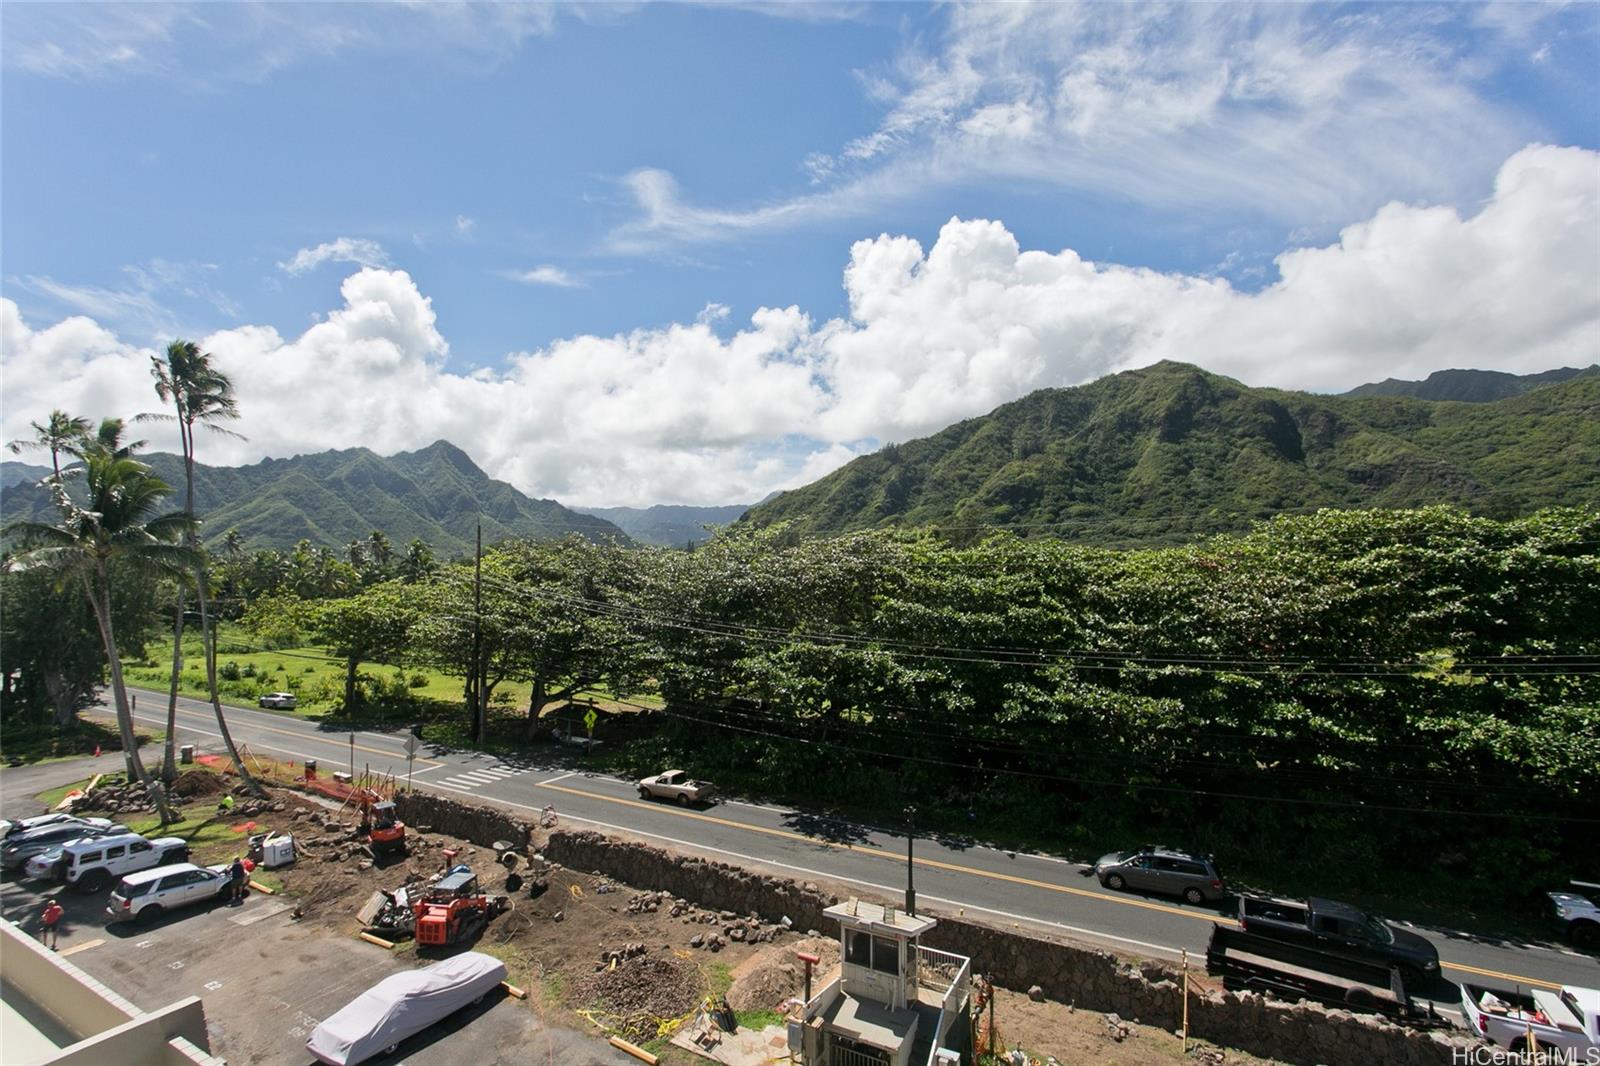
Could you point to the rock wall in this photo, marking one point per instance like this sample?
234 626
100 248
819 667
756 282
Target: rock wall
1091 979
480 825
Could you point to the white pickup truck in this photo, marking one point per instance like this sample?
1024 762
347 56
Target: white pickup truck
675 785
1546 1020
1577 914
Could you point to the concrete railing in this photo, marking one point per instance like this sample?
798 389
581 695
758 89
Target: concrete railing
107 1027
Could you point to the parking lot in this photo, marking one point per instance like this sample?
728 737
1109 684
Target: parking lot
267 980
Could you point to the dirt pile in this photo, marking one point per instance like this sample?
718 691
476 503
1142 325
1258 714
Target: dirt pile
643 991
779 975
196 784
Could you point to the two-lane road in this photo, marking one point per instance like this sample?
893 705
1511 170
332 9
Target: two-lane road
1011 887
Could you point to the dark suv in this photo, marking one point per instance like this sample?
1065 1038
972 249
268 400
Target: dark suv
1153 868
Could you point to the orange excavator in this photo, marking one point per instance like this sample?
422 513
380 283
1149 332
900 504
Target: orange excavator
454 910
384 831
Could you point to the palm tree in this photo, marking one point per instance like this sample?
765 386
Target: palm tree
233 544
119 524
60 433
200 395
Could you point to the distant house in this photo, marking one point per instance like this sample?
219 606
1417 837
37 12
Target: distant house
895 1002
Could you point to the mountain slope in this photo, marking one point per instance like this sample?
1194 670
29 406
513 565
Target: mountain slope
669 525
334 497
1169 451
1470 386
14 473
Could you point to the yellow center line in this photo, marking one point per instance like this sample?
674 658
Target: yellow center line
882 853
1513 978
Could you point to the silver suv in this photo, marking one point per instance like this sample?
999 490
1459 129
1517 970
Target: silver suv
1153 868
147 895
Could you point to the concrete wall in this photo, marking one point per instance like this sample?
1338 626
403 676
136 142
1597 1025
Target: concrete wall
109 1028
1072 973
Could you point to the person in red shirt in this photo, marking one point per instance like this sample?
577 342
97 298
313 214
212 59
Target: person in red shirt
51 929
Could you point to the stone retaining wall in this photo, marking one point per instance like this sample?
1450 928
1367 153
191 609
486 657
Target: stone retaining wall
1070 973
479 825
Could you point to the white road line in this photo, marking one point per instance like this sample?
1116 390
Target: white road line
479 776
562 777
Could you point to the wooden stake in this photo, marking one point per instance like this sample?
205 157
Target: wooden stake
513 990
259 887
387 945
637 1052
1186 1002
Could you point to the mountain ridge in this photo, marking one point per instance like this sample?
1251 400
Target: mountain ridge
436 493
1471 386
668 525
1171 451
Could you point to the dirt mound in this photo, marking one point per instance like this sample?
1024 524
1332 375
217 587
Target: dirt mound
642 991
779 975
193 784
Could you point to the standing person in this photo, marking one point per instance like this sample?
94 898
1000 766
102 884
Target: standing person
236 879
51 929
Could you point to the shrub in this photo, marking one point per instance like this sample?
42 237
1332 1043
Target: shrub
418 681
249 669
228 671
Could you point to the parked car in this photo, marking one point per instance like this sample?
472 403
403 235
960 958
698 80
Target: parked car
375 1022
675 785
283 701
1343 931
1153 868
25 825
148 894
1561 1023
1577 914
21 847
92 865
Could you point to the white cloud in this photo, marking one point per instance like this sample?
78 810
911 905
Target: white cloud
465 225
681 414
356 250
1290 113
545 275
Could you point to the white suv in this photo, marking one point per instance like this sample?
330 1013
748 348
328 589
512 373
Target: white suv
147 895
93 865
283 701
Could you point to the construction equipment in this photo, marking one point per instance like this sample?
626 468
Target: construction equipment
388 914
384 831
454 910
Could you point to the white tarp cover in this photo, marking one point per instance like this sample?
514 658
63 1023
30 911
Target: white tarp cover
403 1004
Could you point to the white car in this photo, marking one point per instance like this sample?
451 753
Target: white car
376 1021
147 895
283 701
1577 914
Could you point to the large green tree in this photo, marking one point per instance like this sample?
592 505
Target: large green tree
372 626
118 523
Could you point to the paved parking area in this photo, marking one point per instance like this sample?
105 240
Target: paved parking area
267 982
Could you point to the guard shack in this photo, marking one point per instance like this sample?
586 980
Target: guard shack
895 1002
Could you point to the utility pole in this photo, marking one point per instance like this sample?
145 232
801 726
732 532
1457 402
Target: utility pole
476 685
911 889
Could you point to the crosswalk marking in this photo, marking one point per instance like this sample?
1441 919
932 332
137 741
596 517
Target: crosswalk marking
488 775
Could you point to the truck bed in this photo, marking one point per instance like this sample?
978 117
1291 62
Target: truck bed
1247 962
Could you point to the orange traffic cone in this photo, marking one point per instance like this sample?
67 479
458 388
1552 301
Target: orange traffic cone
97 751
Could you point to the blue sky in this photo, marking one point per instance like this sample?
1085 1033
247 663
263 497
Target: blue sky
652 213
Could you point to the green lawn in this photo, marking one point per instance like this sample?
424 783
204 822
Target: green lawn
46 745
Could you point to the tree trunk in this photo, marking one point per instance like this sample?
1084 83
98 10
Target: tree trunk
536 702
100 600
169 759
350 685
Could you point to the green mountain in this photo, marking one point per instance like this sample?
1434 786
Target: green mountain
1170 451
669 525
1470 386
332 498
14 473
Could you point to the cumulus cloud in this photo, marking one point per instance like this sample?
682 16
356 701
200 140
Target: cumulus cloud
356 250
1285 113
682 414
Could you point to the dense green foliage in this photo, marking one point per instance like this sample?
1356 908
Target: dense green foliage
330 498
669 525
1162 454
1470 386
1330 697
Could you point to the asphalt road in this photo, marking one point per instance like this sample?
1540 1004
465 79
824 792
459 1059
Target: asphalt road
1028 889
